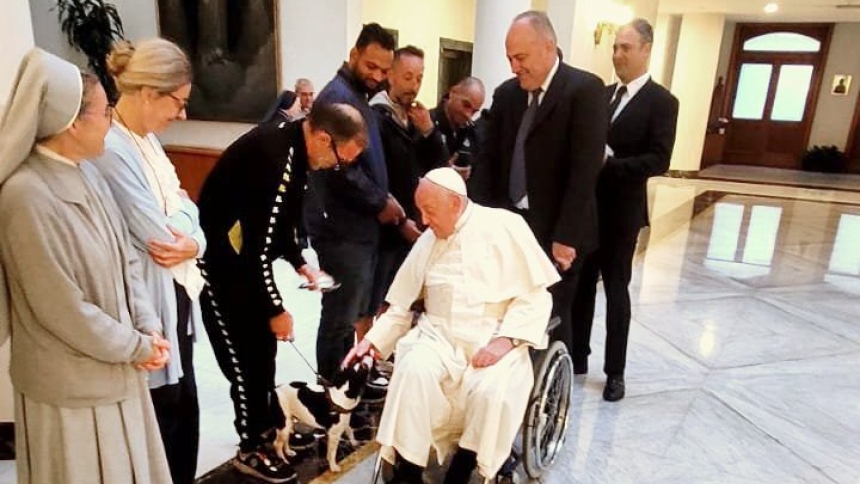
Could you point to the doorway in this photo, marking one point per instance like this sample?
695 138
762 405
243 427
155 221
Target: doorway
455 63
852 148
774 80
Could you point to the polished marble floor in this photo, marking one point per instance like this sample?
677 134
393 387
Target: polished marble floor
743 349
761 174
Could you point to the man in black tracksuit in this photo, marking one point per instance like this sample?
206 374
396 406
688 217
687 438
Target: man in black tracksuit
250 206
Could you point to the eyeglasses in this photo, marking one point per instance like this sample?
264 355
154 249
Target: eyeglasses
183 103
339 162
108 112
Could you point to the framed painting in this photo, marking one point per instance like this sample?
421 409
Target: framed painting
841 84
233 47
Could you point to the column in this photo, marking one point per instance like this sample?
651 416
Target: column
16 36
665 48
693 82
574 22
489 61
315 38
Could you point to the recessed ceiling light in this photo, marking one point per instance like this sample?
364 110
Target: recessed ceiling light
771 8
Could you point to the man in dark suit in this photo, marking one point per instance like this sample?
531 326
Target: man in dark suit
545 136
641 136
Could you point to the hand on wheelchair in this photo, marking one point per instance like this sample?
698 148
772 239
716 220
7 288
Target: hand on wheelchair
490 354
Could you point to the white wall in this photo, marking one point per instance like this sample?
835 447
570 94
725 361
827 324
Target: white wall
422 23
833 115
139 20
16 30
16 36
582 52
312 47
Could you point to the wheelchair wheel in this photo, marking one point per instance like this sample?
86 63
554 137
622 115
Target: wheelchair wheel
382 471
546 418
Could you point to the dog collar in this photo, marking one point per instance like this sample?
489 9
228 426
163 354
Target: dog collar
336 406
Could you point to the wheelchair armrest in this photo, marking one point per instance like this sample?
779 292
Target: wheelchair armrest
553 323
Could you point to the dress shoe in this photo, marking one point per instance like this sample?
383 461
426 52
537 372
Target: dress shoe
580 366
614 389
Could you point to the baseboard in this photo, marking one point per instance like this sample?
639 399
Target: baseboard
682 174
7 440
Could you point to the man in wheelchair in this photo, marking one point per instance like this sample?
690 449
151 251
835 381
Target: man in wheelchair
463 373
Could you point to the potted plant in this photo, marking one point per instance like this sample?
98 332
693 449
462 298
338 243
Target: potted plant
91 27
827 159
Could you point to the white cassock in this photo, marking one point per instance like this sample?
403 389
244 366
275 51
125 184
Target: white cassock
489 279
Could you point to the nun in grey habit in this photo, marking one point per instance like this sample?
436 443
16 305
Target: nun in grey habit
82 330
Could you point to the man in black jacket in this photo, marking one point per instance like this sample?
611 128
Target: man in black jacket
250 206
453 118
546 131
641 137
412 146
345 209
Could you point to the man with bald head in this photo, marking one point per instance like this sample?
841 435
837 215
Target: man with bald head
454 116
546 131
463 372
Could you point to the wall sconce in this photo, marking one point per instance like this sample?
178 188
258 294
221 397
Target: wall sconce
613 16
603 26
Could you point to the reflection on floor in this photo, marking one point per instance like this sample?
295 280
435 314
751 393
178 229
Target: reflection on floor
743 349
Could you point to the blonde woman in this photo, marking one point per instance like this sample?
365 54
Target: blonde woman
153 79
82 327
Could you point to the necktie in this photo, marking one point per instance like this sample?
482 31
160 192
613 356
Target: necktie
517 182
613 106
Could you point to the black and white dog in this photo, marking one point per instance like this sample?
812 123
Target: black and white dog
325 407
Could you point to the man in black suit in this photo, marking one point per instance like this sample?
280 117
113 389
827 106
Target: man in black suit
545 136
641 136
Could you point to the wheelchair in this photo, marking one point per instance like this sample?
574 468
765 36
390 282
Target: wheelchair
543 430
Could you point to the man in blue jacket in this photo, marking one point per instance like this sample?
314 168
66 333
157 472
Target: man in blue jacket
344 209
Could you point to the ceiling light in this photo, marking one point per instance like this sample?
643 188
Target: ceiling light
771 8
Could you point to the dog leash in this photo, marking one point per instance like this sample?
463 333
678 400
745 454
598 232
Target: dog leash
320 379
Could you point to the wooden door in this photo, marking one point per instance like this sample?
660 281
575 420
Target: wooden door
774 81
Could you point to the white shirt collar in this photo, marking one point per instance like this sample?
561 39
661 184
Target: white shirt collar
635 85
546 82
549 76
49 153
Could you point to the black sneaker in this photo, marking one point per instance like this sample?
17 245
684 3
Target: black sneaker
301 440
266 467
376 390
